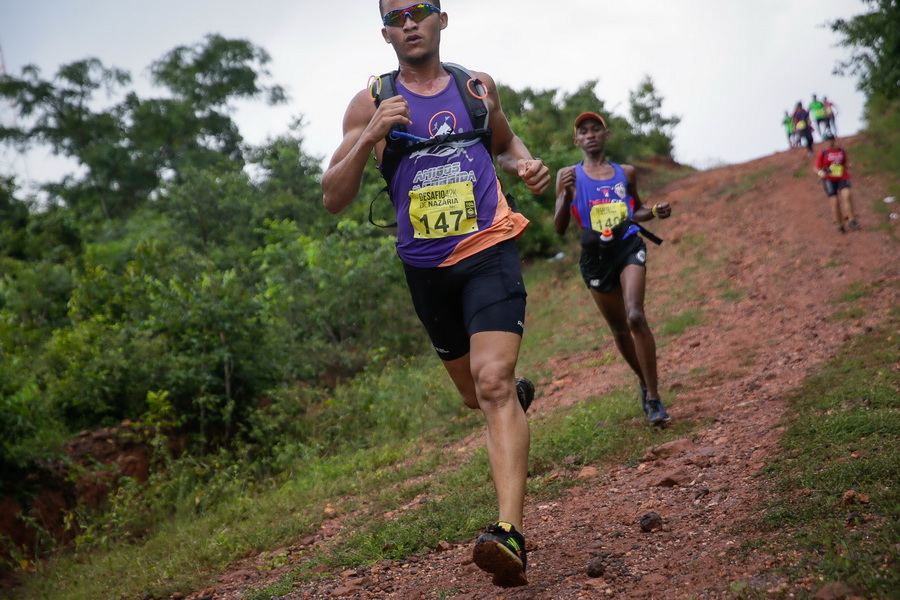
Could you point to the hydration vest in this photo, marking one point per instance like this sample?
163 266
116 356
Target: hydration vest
400 143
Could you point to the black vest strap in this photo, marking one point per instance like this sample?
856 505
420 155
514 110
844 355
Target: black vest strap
468 85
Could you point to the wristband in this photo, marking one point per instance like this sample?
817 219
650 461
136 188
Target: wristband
653 211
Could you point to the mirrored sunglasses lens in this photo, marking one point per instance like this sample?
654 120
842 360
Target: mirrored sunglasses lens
396 18
419 11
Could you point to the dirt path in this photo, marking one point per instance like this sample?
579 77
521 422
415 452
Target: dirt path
783 266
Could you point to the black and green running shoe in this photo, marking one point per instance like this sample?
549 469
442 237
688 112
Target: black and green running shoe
500 550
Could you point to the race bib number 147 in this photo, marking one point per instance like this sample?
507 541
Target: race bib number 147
443 210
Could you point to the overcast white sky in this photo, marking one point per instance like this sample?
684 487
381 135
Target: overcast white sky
728 68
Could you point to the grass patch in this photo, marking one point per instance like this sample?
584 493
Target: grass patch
599 361
746 184
461 501
181 554
850 314
852 297
855 291
730 293
367 443
659 178
692 243
565 320
673 325
835 503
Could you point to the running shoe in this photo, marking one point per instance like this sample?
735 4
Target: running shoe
656 412
853 224
841 229
525 392
500 550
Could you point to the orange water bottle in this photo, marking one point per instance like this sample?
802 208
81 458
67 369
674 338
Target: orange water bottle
606 243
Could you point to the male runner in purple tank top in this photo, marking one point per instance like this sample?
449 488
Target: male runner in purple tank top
603 195
456 238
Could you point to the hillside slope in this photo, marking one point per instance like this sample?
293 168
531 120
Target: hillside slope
773 267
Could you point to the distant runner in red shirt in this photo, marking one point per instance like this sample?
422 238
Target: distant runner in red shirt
833 169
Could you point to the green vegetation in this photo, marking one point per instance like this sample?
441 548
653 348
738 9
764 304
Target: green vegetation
268 354
192 286
874 38
369 441
835 501
677 324
882 154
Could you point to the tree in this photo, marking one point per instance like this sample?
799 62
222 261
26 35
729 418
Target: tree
645 105
875 39
127 149
289 180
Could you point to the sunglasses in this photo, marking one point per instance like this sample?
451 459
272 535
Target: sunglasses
396 18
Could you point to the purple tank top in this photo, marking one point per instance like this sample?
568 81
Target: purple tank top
446 193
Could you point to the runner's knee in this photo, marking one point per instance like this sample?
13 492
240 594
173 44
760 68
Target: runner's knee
637 321
493 385
471 401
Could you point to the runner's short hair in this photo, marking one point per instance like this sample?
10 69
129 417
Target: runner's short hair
381 5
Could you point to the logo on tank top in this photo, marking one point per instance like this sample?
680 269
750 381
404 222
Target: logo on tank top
442 123
606 194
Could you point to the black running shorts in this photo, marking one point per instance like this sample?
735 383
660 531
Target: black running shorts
484 292
601 267
832 186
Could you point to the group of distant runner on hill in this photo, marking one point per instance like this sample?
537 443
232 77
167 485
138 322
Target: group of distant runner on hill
832 164
800 124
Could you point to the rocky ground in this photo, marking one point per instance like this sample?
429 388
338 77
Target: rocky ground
672 525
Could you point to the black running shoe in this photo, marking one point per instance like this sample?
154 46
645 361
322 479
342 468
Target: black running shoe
500 550
841 229
656 412
525 392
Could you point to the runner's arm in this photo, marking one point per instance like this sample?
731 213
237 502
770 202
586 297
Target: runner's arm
512 155
821 165
364 131
565 194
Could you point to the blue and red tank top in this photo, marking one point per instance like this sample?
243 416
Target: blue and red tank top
447 197
602 203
